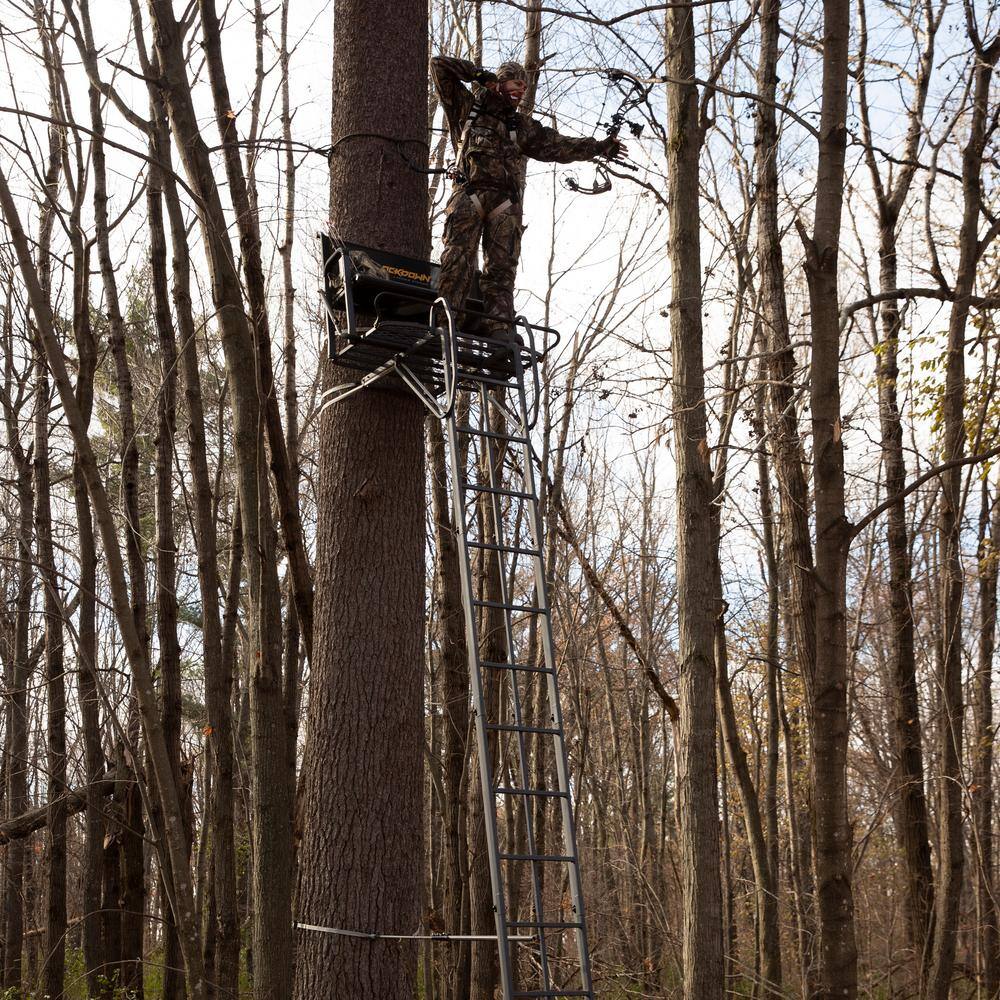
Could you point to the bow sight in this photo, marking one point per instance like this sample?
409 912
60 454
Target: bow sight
634 96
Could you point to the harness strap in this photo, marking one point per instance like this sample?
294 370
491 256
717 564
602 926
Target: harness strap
474 113
489 216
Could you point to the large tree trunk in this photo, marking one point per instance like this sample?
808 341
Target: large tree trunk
361 850
827 689
697 780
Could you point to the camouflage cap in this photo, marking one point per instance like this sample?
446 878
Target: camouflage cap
511 71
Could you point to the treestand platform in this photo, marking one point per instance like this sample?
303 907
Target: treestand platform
385 320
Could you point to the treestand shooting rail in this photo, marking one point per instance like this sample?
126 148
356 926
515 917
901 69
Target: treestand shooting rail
381 311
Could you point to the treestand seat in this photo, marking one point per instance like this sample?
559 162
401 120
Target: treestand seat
381 306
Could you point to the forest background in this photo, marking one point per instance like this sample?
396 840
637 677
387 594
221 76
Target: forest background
767 442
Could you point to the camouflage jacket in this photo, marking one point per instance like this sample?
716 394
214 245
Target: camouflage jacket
491 138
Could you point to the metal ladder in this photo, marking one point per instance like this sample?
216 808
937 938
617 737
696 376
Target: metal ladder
494 496
515 702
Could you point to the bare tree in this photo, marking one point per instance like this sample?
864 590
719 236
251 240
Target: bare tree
827 687
951 847
912 820
697 780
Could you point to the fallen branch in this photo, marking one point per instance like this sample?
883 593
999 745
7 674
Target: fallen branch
568 533
75 801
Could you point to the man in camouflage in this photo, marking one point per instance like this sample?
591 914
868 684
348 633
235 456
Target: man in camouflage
491 139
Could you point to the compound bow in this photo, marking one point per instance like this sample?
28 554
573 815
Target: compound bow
635 95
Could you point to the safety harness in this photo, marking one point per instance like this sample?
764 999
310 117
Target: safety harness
456 174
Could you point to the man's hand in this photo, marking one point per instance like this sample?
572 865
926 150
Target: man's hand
612 148
487 79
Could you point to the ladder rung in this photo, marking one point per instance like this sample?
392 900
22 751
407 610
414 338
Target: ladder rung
499 606
491 547
505 727
496 491
520 667
540 792
564 858
548 925
509 438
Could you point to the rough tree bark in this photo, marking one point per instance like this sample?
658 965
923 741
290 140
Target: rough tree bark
697 780
827 688
360 858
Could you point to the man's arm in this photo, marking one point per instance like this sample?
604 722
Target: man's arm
542 143
450 77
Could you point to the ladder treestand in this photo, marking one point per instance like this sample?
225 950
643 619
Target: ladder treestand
387 325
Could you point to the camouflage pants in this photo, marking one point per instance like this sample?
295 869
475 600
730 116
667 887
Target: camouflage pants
464 228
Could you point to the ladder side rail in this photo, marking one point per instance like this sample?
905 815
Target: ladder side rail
548 647
497 450
475 677
449 353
